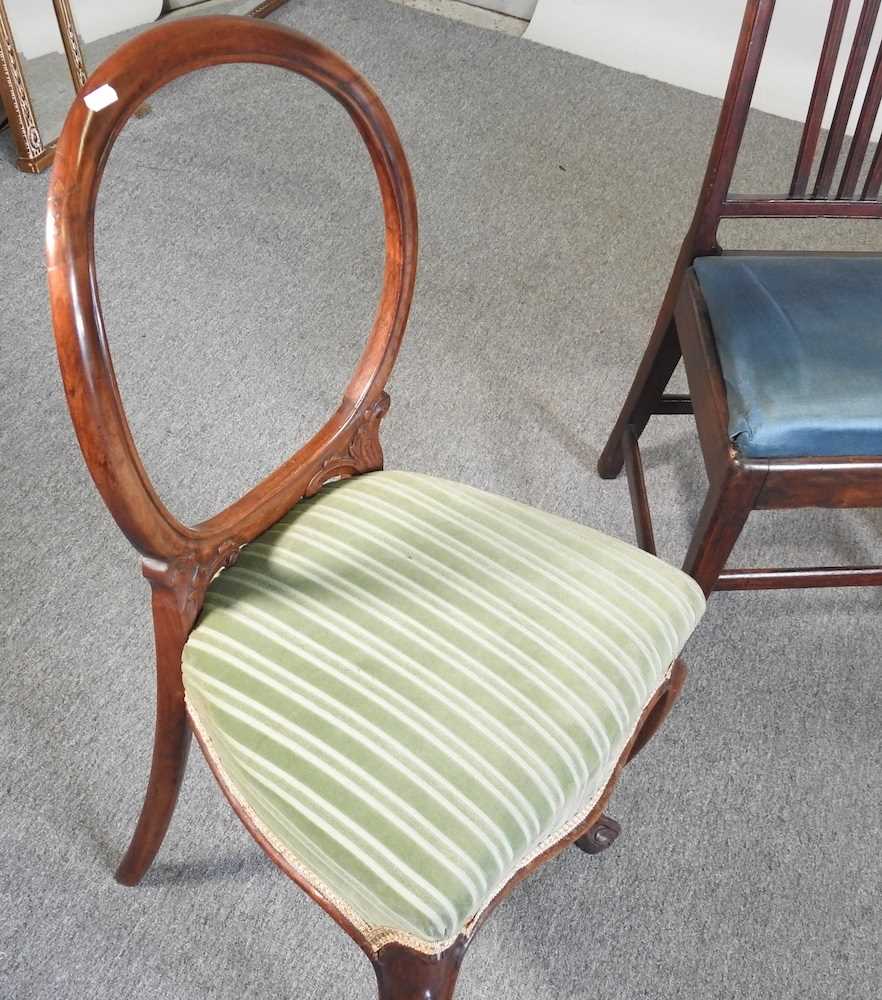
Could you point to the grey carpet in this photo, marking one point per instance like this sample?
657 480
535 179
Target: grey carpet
239 245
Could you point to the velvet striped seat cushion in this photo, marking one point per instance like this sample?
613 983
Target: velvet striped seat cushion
415 687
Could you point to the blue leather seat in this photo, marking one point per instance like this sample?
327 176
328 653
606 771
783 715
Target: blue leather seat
800 345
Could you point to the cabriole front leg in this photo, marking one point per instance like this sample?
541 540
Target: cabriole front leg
405 974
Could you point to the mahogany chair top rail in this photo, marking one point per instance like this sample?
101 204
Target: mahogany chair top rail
136 70
823 198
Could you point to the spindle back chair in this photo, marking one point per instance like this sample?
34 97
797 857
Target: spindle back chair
188 567
739 483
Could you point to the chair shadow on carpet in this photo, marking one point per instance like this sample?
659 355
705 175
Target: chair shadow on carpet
234 866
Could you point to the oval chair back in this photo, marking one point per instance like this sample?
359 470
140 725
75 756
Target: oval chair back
180 560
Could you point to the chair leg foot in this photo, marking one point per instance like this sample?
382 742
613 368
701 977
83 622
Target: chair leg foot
610 464
601 836
405 974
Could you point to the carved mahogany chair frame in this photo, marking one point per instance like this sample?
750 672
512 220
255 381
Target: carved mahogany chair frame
738 484
178 560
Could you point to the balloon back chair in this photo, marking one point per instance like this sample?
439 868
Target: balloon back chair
411 692
782 351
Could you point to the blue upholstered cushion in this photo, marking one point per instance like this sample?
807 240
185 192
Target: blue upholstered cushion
800 345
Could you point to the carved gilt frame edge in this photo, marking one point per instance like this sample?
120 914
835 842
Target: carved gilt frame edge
70 39
22 122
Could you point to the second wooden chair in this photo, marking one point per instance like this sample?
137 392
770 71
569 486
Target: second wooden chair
783 351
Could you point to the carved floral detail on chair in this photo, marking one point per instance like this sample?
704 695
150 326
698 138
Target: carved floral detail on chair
363 453
188 576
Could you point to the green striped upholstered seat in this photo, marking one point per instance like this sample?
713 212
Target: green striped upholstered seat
415 688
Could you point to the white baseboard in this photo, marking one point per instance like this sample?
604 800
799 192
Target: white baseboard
478 17
514 8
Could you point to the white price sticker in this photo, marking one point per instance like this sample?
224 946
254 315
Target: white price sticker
103 97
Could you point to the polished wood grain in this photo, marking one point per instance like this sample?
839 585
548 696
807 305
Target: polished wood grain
661 709
738 485
663 352
807 576
874 176
860 142
171 741
782 207
180 560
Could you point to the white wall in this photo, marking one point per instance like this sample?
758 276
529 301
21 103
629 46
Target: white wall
517 8
36 29
690 43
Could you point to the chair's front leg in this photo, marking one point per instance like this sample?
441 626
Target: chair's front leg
728 503
405 974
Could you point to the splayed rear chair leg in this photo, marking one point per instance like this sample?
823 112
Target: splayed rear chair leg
171 741
170 748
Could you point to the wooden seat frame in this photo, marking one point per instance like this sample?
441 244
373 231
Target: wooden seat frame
178 560
739 484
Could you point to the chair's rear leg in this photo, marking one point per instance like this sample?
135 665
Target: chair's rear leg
170 747
405 974
605 831
656 368
727 506
171 743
